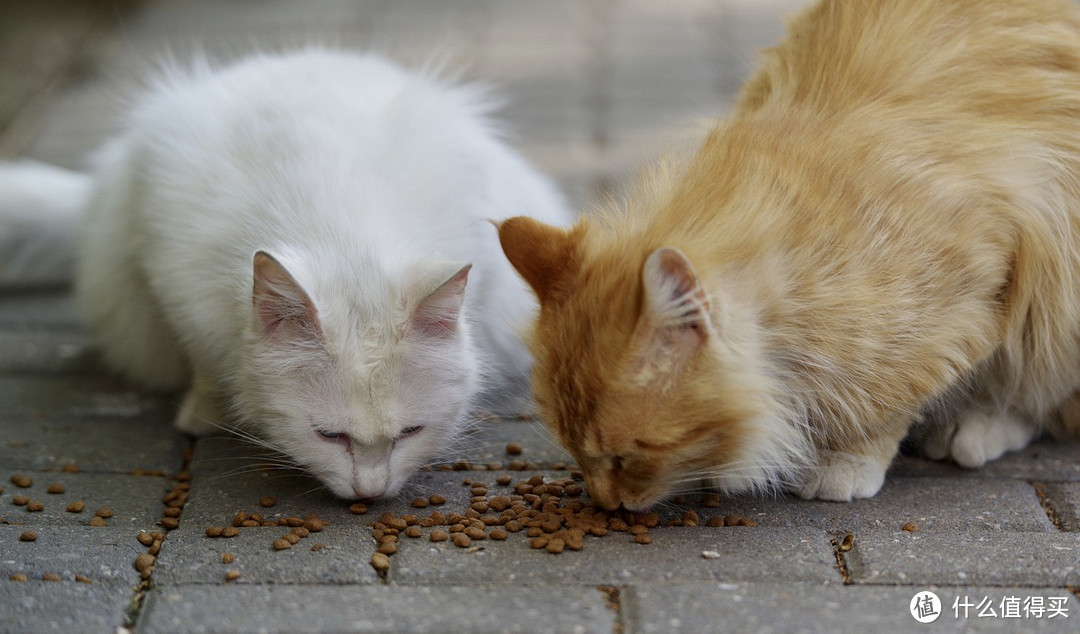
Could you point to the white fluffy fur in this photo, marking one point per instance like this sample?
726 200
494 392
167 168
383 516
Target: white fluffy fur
370 185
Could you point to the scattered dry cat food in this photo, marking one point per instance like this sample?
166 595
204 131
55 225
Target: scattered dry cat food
300 531
847 543
144 561
514 448
22 481
28 536
282 544
267 502
35 506
70 467
104 512
358 509
169 523
380 562
438 535
98 521
461 540
413 532
313 524
420 503
436 499
50 576
82 579
173 512
55 488
910 527
230 531
710 554
20 500
214 531
232 575
76 507
643 538
146 539
227 558
17 576
387 548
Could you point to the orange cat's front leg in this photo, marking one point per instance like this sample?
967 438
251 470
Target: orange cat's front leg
843 473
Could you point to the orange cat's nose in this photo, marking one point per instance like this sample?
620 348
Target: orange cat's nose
603 493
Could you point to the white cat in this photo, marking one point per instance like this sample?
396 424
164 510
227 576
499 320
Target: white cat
291 238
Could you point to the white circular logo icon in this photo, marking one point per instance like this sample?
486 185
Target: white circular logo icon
925 607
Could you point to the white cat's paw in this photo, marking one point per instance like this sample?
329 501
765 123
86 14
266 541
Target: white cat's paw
199 415
982 436
841 477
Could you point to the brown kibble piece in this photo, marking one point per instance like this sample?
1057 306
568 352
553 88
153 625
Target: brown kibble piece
747 521
504 479
715 521
555 546
76 507
731 520
300 531
169 523
313 525
413 532
847 543
387 548
461 540
98 521
55 488
70 467
358 509
282 544
28 536
173 511
17 576
380 562
475 533
292 538
230 531
22 481
35 506
420 503
20 500
643 538
50 576
514 448
910 527
498 534
248 523
82 579
710 501
214 531
227 558
232 575
144 561
155 548
145 538
267 501
438 536
104 512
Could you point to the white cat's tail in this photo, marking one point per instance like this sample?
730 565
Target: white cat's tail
40 206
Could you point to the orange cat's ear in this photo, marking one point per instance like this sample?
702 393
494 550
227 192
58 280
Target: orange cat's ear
542 254
281 306
675 314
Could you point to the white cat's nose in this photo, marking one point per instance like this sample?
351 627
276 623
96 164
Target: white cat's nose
368 492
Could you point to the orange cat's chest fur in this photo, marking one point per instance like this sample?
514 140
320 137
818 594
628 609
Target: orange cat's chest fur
888 226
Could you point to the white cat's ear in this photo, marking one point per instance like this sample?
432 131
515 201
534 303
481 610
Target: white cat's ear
676 309
437 314
281 306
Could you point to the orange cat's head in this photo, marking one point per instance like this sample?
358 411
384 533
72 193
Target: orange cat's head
634 373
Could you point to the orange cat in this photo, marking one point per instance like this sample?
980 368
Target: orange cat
885 233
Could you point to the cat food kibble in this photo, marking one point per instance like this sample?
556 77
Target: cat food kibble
144 561
413 532
20 500
28 536
358 509
380 562
436 499
105 513
387 548
230 531
910 527
55 488
169 523
76 507
643 539
232 575
35 506
267 502
715 521
50 576
438 536
17 576
420 503
227 558
461 540
847 543
504 479
22 481
82 579
514 448
282 544
145 538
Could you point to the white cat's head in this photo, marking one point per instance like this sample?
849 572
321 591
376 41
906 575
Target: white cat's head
361 399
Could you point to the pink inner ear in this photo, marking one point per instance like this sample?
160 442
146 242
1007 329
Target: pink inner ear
282 306
437 314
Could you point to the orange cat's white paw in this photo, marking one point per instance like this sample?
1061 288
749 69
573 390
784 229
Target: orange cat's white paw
841 477
982 436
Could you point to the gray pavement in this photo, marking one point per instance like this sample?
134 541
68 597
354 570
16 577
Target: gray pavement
595 89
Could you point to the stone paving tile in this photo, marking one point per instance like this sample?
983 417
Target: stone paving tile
1065 500
135 500
189 556
1046 460
43 417
804 608
1006 558
103 554
286 609
41 606
936 504
47 352
789 554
